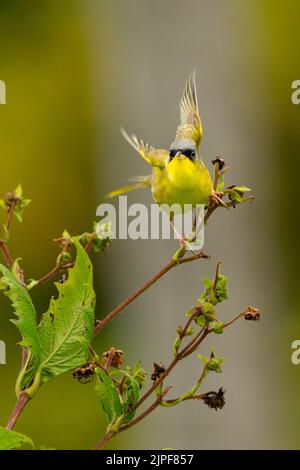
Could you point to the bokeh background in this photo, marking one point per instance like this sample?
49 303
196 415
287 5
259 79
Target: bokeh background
77 70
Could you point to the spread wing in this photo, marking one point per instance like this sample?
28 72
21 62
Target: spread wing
190 126
155 157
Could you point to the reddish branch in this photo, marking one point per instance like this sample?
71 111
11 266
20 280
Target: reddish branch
20 405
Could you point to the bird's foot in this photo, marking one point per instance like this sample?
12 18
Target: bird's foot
216 199
186 242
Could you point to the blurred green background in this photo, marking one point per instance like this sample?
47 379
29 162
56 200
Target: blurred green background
77 70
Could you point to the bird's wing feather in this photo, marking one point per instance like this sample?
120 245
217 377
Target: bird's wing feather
139 145
190 126
152 156
139 182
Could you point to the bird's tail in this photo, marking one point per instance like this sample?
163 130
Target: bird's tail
139 182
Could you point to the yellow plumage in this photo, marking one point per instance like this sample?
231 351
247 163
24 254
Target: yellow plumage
179 176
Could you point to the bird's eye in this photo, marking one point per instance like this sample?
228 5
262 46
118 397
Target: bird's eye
190 154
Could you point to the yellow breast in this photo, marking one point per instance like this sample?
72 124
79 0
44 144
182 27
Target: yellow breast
182 182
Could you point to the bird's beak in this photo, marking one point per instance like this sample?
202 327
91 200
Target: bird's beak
179 155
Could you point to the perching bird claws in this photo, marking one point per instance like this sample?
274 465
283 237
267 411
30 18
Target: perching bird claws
216 198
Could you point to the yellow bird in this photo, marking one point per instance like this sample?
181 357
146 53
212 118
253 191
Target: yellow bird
179 176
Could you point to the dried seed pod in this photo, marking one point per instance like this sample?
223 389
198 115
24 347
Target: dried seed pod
158 370
117 357
85 373
215 400
220 162
252 314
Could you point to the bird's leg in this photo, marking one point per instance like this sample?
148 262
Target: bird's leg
216 198
183 241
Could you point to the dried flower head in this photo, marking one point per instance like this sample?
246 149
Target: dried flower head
252 314
117 357
85 373
11 199
220 162
158 370
215 400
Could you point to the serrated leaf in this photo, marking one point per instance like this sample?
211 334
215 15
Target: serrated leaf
26 321
12 440
108 396
66 329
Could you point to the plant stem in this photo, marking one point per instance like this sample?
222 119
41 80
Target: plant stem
218 267
193 344
234 319
6 254
52 273
110 358
216 176
135 421
102 323
145 413
199 338
10 214
20 405
103 440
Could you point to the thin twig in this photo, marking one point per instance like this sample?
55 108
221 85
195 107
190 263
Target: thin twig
103 323
218 267
110 358
216 175
135 421
10 215
6 254
234 319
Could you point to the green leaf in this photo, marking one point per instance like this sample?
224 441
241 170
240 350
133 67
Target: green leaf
221 183
103 236
200 320
12 440
203 359
242 189
221 288
219 295
189 332
215 364
236 194
208 290
108 396
132 396
26 322
18 191
176 344
138 373
208 310
218 327
66 329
